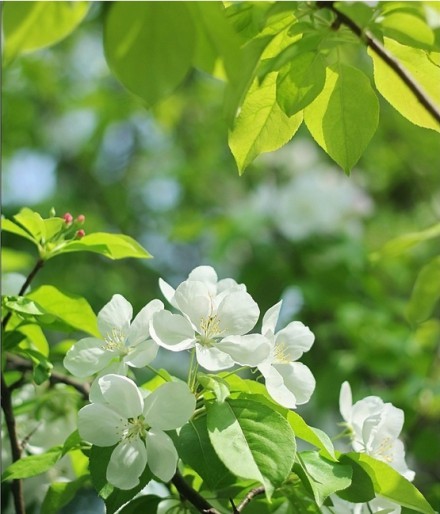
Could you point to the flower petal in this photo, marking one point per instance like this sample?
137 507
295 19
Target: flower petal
212 358
172 331
204 274
139 330
87 356
391 421
127 464
142 354
100 425
295 339
167 291
117 313
169 406
194 299
345 402
229 285
237 313
122 395
248 350
270 319
289 384
162 455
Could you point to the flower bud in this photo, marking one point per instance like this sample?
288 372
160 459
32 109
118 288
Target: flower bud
68 218
81 219
80 234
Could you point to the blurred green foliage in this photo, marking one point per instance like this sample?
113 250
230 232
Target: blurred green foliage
77 141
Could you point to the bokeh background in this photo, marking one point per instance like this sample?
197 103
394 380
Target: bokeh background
293 227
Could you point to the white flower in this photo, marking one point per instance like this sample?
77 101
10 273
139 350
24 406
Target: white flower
378 504
375 427
289 383
214 315
123 343
119 415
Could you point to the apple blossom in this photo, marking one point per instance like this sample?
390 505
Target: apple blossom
375 427
123 342
290 383
119 415
379 504
214 314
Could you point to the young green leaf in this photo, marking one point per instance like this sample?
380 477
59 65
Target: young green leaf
407 29
325 477
425 293
29 26
261 125
113 246
361 489
60 494
344 116
149 46
252 440
392 88
32 465
216 384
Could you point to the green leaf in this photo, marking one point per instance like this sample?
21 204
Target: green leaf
393 89
261 126
114 498
22 305
426 292
32 465
13 260
361 489
216 384
29 26
405 242
391 484
408 29
216 40
13 228
60 494
356 11
300 83
325 477
341 122
149 46
70 311
32 222
252 440
195 449
42 366
113 246
147 503
35 338
311 435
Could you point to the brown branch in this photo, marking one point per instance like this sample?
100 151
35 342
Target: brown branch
388 58
190 494
17 485
249 497
38 265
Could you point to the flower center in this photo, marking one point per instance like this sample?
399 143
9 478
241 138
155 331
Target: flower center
281 353
210 328
115 342
384 451
136 428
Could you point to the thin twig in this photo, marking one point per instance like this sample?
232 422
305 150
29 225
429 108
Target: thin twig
38 265
388 58
249 497
190 494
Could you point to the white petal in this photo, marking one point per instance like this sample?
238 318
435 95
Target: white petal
270 319
162 455
172 331
213 359
345 402
229 285
142 354
167 291
139 329
391 421
237 314
127 464
117 313
122 395
204 274
248 350
369 408
398 460
100 425
289 384
87 357
295 339
169 406
194 299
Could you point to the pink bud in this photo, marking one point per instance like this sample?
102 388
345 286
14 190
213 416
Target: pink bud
81 219
80 234
68 218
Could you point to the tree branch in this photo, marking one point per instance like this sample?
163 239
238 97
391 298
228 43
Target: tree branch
388 58
190 494
249 497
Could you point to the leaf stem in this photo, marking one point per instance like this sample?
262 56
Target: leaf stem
190 494
388 58
157 372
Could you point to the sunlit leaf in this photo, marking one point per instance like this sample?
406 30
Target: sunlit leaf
426 292
60 494
343 123
32 465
